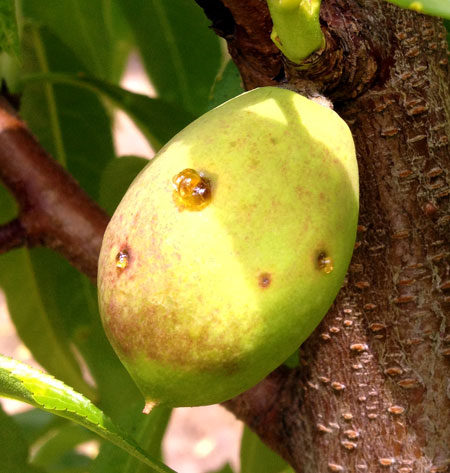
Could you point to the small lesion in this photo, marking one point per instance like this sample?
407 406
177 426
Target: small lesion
325 262
122 259
264 280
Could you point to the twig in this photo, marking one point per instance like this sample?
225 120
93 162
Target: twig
53 210
12 235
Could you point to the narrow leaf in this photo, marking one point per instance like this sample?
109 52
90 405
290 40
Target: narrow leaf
255 456
227 85
9 37
225 469
149 431
47 340
13 446
180 53
157 119
447 27
116 179
430 7
88 28
70 123
59 444
36 423
21 382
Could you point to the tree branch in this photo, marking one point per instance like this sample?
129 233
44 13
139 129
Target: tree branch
54 211
12 235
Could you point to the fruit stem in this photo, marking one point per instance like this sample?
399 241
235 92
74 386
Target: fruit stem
296 27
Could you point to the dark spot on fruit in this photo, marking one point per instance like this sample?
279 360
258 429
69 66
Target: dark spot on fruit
325 262
264 280
122 259
192 190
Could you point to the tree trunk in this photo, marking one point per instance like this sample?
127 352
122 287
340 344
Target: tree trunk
373 389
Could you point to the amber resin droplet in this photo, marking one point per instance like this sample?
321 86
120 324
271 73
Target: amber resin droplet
192 190
325 263
122 259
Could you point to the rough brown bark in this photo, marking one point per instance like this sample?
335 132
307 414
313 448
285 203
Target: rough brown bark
372 393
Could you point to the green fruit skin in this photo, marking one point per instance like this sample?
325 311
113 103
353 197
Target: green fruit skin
213 300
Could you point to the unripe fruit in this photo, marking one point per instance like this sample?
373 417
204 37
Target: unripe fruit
229 248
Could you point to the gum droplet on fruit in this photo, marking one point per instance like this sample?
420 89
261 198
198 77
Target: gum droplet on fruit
122 259
192 190
325 263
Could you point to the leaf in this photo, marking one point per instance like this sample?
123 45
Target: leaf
227 85
148 430
430 7
64 308
9 37
71 124
35 423
94 31
226 469
293 361
58 447
255 456
70 462
116 179
158 120
21 382
13 446
47 342
447 27
180 53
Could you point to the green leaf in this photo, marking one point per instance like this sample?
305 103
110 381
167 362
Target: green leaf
158 120
9 37
44 337
116 179
70 462
71 124
94 31
293 361
180 53
47 341
21 382
228 84
13 446
35 423
430 7
226 469
255 456
447 27
148 431
58 448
